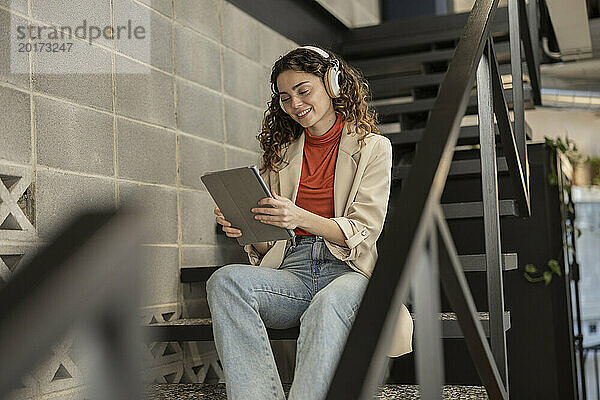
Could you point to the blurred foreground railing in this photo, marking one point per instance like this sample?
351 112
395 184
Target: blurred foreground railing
86 278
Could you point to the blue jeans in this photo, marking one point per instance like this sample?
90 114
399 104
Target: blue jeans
312 289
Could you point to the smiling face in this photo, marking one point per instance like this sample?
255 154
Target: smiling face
304 99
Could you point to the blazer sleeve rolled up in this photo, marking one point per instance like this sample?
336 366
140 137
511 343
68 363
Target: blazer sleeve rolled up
363 222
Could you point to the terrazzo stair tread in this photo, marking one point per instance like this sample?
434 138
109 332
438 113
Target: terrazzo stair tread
474 209
217 391
393 106
457 168
377 66
200 329
468 135
451 328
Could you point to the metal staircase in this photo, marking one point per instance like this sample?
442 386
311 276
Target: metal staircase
422 73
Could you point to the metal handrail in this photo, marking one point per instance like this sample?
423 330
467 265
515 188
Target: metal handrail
85 277
509 140
411 216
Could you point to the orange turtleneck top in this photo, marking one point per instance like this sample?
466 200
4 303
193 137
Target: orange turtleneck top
315 191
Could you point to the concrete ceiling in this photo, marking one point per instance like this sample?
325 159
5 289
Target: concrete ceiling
578 76
576 79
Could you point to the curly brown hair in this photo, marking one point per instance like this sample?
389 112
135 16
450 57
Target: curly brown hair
279 129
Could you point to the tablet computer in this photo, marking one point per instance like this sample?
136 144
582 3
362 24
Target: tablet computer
236 192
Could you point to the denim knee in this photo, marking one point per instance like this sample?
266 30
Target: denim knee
327 304
218 282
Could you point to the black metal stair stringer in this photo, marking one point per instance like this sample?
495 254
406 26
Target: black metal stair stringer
454 283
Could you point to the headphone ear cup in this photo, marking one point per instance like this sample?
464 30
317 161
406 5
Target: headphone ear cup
326 83
332 83
281 104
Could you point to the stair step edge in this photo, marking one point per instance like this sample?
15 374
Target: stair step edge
475 209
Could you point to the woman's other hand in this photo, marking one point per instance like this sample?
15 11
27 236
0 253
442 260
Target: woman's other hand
283 212
226 225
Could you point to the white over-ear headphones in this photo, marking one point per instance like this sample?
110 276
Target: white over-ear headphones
331 79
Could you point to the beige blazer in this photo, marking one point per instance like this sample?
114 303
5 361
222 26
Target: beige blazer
361 190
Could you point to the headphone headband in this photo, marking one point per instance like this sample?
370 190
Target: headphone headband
322 52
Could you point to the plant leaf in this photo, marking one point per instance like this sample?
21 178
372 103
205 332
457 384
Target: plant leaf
530 269
547 277
554 266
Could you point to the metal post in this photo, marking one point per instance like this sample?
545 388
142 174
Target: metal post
596 371
531 50
517 85
579 338
491 219
573 273
426 294
532 14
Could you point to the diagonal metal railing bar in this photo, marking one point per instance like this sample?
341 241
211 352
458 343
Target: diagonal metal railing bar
459 295
532 21
530 56
518 101
362 362
491 214
85 275
507 137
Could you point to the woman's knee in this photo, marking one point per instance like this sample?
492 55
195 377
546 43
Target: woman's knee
340 299
223 281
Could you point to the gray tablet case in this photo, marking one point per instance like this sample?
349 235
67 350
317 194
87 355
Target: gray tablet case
236 191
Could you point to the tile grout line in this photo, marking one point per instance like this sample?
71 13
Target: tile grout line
222 76
101 110
177 148
114 110
105 177
104 111
33 156
41 242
